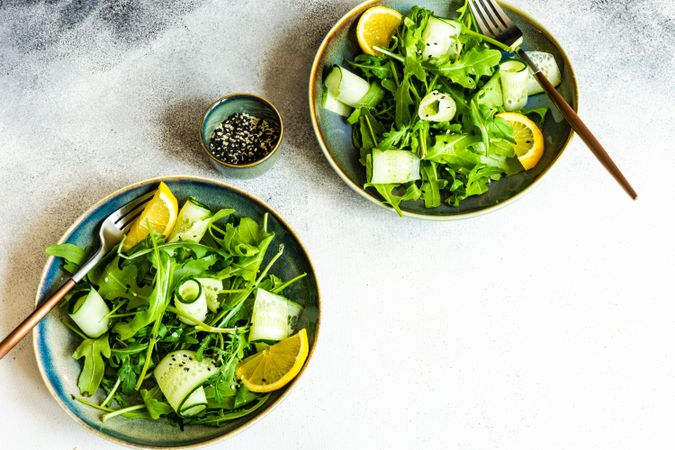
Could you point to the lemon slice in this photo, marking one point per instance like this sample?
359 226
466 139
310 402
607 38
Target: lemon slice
529 140
159 214
376 27
275 366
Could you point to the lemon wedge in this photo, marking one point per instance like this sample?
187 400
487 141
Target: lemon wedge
376 27
275 366
159 214
529 140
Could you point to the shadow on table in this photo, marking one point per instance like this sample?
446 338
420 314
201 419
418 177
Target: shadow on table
180 129
287 68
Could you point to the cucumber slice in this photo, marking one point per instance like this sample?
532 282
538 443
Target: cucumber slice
180 377
440 37
513 75
351 89
332 104
195 403
546 63
491 93
211 287
394 166
191 223
190 298
90 312
273 317
437 107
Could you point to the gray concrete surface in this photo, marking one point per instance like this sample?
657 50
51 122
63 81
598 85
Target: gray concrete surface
549 324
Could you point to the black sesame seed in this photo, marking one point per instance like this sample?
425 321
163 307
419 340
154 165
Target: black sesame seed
243 139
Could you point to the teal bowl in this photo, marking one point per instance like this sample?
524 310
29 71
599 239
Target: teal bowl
335 136
54 343
240 103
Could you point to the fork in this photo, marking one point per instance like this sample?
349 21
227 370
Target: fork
492 21
110 233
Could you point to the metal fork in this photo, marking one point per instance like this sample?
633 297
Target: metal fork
111 232
492 21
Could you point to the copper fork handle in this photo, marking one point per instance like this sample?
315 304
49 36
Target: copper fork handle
581 129
34 318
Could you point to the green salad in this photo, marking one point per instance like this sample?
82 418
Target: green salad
436 114
164 326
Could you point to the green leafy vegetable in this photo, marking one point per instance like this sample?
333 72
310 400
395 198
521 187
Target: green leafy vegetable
154 404
93 351
70 253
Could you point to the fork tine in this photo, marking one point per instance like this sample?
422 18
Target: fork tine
499 13
482 18
130 207
128 220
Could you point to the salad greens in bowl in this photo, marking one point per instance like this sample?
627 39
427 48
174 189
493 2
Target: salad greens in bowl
181 336
419 112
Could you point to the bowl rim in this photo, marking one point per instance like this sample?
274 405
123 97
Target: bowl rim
150 181
226 98
447 217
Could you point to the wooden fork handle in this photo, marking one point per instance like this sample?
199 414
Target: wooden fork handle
34 318
582 130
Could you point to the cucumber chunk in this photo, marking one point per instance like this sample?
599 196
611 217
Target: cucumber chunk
90 312
180 378
273 318
513 75
546 63
191 223
440 37
190 298
333 104
351 89
211 287
437 107
195 403
394 166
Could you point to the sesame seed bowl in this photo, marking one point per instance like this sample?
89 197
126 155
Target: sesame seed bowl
241 134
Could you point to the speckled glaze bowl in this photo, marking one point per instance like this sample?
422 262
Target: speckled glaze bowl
240 103
54 343
335 136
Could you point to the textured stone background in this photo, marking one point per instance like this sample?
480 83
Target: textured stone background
549 324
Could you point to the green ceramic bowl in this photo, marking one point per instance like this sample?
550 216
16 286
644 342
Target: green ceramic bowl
54 343
240 103
335 137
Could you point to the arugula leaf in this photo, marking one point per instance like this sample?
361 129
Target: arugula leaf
248 266
394 139
404 102
154 404
413 29
244 397
538 115
93 351
477 62
451 148
72 255
119 282
195 267
431 184
127 375
479 178
387 193
372 66
157 301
